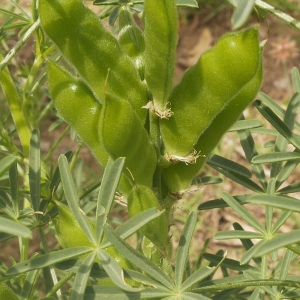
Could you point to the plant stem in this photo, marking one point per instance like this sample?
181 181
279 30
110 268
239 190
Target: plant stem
19 45
279 14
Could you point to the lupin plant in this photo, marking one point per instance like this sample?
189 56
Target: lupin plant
116 92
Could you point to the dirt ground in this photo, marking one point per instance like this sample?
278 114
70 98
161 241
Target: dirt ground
198 31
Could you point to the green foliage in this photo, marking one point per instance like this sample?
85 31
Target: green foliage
115 92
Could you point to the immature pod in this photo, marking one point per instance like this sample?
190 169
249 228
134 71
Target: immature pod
78 106
140 199
179 176
208 88
123 135
131 39
69 233
93 51
6 292
160 25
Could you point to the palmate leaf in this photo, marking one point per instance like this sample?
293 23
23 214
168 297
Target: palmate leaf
242 212
220 203
136 258
115 272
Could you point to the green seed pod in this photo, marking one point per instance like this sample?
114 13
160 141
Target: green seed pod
68 231
179 176
208 88
131 39
160 25
140 199
93 51
78 106
6 292
123 135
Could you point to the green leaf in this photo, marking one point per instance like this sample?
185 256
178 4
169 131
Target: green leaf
198 276
279 125
134 224
293 188
136 258
227 263
242 13
160 28
82 277
190 3
250 151
229 165
107 193
183 248
282 202
115 272
220 203
205 180
72 198
237 234
14 228
242 212
6 163
113 292
245 124
270 158
279 240
47 260
246 182
14 187
35 169
28 286
55 181
296 79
